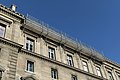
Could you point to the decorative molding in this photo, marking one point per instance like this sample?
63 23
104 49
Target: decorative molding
112 63
12 64
13 14
10 43
31 77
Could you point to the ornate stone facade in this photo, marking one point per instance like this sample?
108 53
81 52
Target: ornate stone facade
29 50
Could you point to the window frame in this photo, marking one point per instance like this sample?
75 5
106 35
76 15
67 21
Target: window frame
30 41
3 26
54 72
50 49
1 72
70 58
119 76
98 70
27 67
85 66
110 74
74 77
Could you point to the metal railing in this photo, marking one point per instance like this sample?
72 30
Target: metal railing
49 28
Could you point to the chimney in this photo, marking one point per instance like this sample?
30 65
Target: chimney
13 7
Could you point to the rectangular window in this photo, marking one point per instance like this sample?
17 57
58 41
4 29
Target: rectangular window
30 66
98 71
30 44
51 53
110 75
2 30
54 74
85 66
69 60
74 77
0 75
119 77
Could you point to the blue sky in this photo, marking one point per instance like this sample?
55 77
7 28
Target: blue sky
94 22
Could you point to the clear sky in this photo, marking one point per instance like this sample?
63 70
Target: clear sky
94 22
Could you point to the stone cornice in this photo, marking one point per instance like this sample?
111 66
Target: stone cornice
60 63
113 63
11 43
11 13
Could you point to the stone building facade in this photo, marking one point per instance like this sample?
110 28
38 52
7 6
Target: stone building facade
30 50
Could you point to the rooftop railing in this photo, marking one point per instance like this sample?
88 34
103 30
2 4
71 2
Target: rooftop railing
49 28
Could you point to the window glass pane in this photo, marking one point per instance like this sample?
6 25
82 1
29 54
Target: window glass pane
51 52
85 67
2 31
74 77
98 71
54 74
27 46
110 75
84 63
0 75
31 47
30 44
119 77
52 55
69 60
30 66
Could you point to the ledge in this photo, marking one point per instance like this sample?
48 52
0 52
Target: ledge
60 63
11 43
11 11
113 63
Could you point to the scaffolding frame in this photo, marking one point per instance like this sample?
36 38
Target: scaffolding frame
62 38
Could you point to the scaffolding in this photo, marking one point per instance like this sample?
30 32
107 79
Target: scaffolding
62 38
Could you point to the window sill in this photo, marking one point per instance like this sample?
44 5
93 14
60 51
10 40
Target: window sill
54 79
30 72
